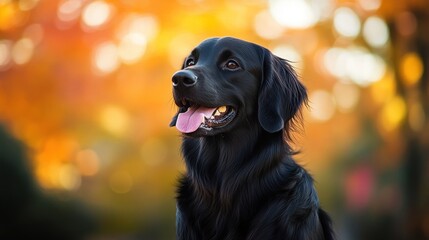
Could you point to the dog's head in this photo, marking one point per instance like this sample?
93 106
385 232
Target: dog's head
226 83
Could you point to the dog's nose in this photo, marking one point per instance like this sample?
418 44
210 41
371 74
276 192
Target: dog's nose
184 78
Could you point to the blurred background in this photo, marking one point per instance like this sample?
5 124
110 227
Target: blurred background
85 103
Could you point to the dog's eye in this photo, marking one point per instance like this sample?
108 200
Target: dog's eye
232 65
189 62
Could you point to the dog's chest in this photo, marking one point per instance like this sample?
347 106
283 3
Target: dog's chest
209 215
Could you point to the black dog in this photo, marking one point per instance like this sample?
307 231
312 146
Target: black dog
237 106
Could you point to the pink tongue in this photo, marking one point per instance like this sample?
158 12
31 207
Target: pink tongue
191 120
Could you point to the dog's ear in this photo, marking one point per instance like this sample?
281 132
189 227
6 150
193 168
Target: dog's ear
281 95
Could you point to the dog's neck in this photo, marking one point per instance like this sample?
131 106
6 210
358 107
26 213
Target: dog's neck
213 170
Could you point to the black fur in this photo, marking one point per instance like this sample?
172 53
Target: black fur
241 180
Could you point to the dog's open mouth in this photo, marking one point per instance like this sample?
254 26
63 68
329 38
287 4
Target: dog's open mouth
196 117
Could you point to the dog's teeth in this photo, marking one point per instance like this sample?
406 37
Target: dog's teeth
222 109
217 113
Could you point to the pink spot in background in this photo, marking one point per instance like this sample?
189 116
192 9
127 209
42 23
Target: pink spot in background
359 187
